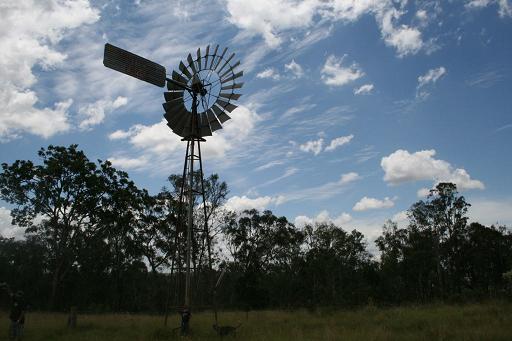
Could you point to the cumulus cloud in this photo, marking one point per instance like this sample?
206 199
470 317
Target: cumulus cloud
338 142
94 113
373 204
239 204
402 166
271 18
31 31
322 217
295 69
364 89
158 141
335 74
269 73
314 146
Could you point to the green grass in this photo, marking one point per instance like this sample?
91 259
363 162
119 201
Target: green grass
490 321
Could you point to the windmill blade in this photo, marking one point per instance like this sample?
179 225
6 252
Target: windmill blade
173 106
191 63
173 87
206 56
231 69
184 70
220 58
226 105
199 59
133 65
226 63
171 119
230 95
181 123
214 124
235 76
221 115
179 78
173 96
205 125
232 86
214 55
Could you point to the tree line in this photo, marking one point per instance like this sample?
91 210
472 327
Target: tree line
96 241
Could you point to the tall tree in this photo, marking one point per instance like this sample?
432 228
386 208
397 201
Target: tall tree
57 200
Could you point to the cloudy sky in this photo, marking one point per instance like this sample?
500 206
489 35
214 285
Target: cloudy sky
352 109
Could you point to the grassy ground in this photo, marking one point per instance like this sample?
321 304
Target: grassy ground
491 321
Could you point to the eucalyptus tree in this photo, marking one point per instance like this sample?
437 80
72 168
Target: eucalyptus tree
57 200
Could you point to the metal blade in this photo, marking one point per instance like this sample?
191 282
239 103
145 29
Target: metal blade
232 86
181 123
199 59
214 55
226 63
220 58
205 125
206 57
230 70
221 115
173 96
173 106
179 78
230 96
133 65
184 70
214 124
235 76
226 105
191 63
173 87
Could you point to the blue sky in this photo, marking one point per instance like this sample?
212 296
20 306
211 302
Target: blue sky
352 109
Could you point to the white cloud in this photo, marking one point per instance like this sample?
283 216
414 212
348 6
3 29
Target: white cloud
269 17
401 218
338 142
363 89
314 146
94 113
322 217
349 177
428 79
269 73
272 18
30 32
269 165
504 7
335 74
402 166
239 204
8 230
295 69
160 146
129 163
431 76
321 192
372 204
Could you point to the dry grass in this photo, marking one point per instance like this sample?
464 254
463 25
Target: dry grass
491 321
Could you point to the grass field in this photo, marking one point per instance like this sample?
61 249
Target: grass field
490 321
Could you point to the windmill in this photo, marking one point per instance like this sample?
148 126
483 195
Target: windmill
197 103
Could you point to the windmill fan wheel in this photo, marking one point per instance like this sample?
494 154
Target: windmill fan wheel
210 81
